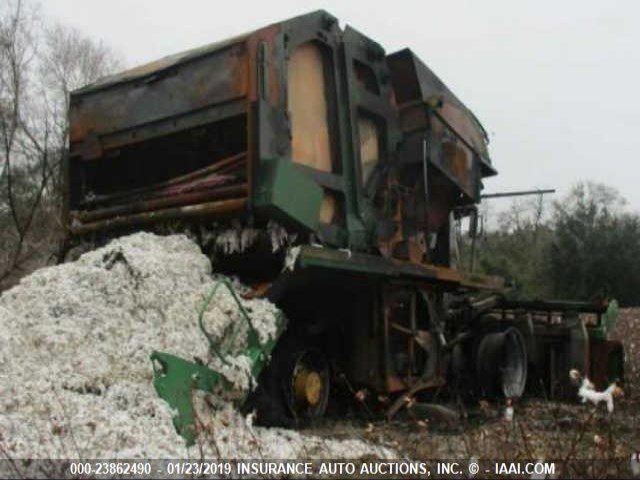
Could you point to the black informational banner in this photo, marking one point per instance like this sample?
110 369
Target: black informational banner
326 469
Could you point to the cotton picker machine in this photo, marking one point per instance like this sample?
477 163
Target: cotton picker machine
328 176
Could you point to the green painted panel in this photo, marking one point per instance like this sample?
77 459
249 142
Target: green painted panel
282 186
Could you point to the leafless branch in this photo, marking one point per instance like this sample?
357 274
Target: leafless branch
40 64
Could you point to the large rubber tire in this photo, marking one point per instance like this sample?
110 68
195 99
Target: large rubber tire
501 363
277 400
307 384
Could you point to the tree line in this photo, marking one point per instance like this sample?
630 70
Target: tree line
587 247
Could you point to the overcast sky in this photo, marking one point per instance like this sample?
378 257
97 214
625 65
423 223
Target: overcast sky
555 83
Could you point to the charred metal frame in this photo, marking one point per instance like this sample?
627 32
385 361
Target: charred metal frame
244 80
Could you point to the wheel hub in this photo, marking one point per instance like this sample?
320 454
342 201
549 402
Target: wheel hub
307 386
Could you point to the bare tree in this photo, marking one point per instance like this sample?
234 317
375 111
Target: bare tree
16 57
69 60
39 65
529 213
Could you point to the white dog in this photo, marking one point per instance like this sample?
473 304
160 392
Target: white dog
588 392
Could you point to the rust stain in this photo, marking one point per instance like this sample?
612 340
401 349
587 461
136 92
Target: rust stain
251 77
393 383
267 35
465 127
239 66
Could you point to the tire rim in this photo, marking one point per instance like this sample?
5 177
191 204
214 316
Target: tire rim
310 384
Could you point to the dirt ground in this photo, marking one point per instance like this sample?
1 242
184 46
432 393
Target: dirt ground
539 430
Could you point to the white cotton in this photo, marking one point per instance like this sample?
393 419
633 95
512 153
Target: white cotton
75 340
279 236
228 241
291 258
236 239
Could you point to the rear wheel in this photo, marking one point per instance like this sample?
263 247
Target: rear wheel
501 363
308 390
294 389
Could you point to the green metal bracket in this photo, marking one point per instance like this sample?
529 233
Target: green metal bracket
607 322
224 350
610 318
175 378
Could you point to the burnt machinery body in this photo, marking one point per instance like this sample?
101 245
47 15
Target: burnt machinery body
359 162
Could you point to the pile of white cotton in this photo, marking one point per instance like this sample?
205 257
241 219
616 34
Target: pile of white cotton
75 374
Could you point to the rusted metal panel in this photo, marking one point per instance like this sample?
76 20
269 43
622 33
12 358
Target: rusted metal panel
307 103
414 81
264 79
182 88
93 146
457 141
261 69
161 64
